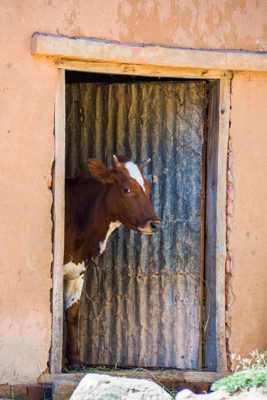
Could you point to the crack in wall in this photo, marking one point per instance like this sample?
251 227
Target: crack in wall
229 296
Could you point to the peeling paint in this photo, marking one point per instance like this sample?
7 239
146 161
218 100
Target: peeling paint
189 21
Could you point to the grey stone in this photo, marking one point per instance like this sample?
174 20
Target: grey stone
106 387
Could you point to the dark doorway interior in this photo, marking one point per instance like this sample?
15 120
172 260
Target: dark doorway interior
144 305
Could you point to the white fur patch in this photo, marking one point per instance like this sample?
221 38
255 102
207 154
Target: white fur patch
112 227
73 271
73 283
73 291
135 173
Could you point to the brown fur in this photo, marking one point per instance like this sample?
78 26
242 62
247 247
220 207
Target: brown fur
92 203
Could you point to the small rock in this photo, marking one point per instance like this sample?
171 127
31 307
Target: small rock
184 394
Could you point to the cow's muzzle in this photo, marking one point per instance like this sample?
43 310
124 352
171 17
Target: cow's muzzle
150 227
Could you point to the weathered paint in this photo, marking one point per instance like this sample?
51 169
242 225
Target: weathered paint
27 92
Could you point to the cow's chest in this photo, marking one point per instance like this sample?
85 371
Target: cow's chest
74 273
73 270
73 283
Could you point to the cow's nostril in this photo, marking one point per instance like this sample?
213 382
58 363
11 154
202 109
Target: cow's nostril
155 226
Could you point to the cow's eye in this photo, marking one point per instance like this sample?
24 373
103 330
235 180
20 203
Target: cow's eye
127 190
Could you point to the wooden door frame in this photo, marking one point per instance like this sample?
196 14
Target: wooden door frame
99 62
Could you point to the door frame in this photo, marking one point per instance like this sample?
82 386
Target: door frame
217 179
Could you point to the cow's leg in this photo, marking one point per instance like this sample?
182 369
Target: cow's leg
72 295
73 353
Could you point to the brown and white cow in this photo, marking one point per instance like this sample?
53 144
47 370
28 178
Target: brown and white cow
95 206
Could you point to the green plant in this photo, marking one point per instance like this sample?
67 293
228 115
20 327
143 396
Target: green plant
249 372
246 379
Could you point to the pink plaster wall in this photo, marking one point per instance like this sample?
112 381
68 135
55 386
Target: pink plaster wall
27 93
248 240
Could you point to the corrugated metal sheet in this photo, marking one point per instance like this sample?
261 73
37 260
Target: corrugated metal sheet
142 305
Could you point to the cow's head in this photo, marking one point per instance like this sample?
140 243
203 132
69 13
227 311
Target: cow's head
128 194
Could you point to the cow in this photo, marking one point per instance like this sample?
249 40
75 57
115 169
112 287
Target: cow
95 205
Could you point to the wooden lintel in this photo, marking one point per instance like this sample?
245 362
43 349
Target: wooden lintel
162 376
138 69
100 50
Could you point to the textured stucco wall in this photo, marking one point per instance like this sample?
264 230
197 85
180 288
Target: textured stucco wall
247 241
27 93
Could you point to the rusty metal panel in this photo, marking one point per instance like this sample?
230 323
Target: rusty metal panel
142 302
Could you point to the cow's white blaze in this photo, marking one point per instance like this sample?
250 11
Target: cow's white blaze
73 283
112 227
135 173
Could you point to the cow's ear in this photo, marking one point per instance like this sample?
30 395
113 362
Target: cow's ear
99 171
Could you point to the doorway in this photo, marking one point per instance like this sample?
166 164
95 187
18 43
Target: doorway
145 303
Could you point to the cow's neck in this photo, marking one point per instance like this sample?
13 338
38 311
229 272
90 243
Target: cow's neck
110 224
103 243
99 222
